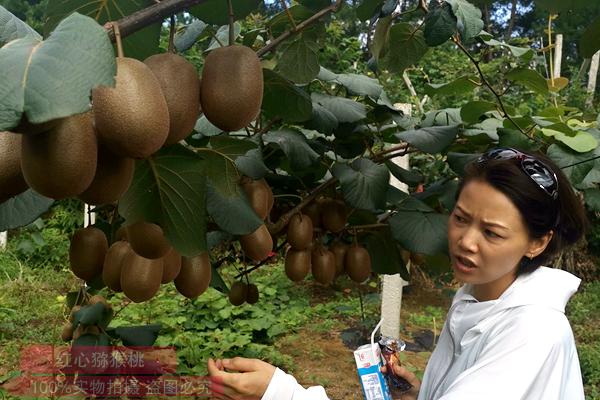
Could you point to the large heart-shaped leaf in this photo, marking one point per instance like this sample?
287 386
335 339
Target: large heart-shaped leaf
529 78
299 61
364 183
368 8
458 86
361 85
12 28
404 175
283 99
281 21
95 314
22 209
54 78
139 45
589 43
525 52
574 165
581 141
458 161
169 188
216 12
186 37
323 120
345 110
221 38
205 128
144 335
226 202
432 139
440 25
469 22
230 146
385 255
406 47
420 232
295 147
592 199
471 111
251 164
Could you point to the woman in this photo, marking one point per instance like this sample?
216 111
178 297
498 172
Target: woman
506 336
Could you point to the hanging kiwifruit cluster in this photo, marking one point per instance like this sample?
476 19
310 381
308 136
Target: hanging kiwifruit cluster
74 327
258 245
309 255
138 262
241 292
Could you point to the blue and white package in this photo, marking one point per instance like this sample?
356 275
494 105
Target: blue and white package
368 364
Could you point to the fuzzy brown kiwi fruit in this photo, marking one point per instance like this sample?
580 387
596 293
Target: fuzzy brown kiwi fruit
74 310
237 293
132 119
258 244
323 265
333 215
111 180
313 210
87 251
297 264
61 162
171 265
180 84
252 294
95 299
140 277
121 234
259 195
339 250
67 332
194 277
113 264
300 232
11 178
148 240
358 263
232 87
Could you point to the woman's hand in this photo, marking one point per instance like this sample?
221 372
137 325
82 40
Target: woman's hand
248 383
400 371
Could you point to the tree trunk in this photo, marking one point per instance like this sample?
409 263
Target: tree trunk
511 21
558 44
591 88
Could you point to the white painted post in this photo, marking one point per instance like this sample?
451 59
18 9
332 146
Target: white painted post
557 55
3 240
88 217
591 87
391 291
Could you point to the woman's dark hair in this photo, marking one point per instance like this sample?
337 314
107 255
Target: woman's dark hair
541 213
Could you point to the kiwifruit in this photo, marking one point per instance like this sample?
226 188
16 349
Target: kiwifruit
232 87
300 232
171 265
323 265
259 195
358 263
95 299
195 275
338 249
313 210
417 258
333 215
237 293
297 264
61 162
11 178
113 264
121 234
148 240
84 330
258 244
132 119
252 294
67 332
140 276
87 251
113 177
180 84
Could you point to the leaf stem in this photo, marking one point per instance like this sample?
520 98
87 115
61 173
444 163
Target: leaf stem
171 48
289 14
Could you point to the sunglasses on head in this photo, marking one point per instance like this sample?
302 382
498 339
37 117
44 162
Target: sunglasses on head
540 173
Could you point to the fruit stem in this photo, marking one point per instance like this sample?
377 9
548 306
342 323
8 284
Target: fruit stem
231 23
260 264
171 48
115 27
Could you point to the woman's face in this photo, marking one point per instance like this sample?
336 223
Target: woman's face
487 238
